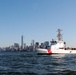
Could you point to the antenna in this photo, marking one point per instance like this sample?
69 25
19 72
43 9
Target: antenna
59 35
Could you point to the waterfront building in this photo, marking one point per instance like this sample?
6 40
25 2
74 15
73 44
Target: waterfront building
42 45
46 44
36 45
16 46
24 45
33 44
22 42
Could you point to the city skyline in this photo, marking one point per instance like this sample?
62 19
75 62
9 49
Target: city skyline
37 20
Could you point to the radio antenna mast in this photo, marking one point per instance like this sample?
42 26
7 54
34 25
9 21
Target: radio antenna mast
59 35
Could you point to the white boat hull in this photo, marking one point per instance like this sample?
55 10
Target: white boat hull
45 51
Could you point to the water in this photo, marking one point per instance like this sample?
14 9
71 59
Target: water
28 63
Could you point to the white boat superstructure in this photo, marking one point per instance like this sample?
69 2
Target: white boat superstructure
56 47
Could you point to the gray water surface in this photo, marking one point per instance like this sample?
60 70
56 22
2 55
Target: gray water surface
28 63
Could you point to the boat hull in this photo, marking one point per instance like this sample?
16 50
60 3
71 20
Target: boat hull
60 51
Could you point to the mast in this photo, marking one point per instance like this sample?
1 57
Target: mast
59 35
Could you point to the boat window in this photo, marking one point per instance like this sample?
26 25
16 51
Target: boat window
64 42
53 42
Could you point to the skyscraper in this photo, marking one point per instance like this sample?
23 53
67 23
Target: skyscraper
33 44
22 42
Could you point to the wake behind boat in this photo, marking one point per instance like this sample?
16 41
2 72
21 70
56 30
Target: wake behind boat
58 46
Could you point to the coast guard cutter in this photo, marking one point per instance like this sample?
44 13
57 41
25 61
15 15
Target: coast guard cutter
55 47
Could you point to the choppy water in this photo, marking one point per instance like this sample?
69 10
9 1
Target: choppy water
27 63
